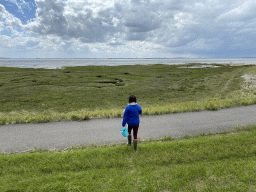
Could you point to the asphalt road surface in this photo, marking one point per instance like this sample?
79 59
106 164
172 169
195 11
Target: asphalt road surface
22 137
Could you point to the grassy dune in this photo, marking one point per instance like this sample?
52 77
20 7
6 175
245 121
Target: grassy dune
81 93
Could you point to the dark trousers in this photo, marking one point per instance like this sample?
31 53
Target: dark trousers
135 131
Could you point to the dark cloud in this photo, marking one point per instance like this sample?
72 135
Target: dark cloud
142 22
118 7
84 24
139 22
81 24
116 44
50 18
136 36
135 2
174 5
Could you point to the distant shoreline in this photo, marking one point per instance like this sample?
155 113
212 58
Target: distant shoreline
141 58
60 63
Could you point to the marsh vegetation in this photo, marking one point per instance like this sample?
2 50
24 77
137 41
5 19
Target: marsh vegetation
30 95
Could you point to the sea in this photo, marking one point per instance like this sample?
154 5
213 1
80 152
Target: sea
61 63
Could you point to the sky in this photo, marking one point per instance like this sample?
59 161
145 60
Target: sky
127 28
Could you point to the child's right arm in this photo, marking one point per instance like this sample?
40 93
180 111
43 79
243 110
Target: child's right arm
140 110
124 118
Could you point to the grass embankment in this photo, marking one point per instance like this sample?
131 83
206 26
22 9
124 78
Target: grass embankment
222 161
81 93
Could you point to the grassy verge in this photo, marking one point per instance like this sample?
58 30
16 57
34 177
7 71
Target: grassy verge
223 161
80 93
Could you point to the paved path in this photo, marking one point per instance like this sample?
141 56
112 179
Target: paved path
64 134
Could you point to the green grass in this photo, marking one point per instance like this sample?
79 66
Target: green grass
81 93
223 161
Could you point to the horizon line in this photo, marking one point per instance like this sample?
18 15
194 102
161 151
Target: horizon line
127 58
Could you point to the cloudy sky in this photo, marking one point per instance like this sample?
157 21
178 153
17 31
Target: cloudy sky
127 28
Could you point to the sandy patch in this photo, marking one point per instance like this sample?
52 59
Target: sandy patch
250 81
201 66
236 64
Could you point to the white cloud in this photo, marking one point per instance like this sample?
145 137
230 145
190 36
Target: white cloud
8 21
12 21
7 41
93 22
2 11
242 12
76 21
135 27
21 4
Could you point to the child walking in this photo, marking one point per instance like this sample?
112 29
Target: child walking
131 117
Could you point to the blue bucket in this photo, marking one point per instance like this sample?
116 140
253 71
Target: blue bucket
124 132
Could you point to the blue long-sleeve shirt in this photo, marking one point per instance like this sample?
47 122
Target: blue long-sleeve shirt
131 114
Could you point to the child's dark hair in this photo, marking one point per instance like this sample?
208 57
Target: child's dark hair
132 98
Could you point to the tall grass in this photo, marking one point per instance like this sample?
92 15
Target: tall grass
238 98
82 93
